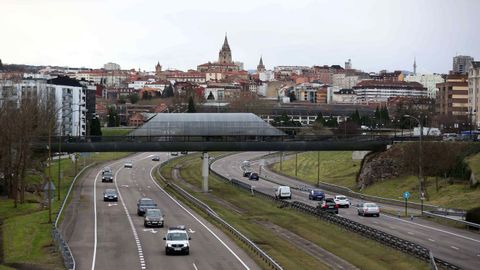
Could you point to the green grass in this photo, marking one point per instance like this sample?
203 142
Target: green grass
363 253
339 168
109 131
26 231
336 167
449 195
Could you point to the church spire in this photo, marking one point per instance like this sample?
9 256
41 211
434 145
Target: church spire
414 65
225 54
261 67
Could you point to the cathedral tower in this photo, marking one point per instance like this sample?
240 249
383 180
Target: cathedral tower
260 67
225 55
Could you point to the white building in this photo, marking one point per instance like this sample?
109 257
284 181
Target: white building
428 81
266 76
69 96
111 66
474 92
371 91
70 105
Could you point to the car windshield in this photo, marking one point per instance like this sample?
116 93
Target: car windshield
147 202
317 192
107 174
370 205
177 236
110 191
154 213
341 198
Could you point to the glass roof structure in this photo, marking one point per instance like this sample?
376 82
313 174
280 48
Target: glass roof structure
206 124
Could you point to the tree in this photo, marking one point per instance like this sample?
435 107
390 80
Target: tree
1 64
122 100
113 118
320 120
168 91
210 96
133 98
292 96
355 117
191 105
95 127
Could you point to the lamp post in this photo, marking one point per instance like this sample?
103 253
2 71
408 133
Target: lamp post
420 159
60 148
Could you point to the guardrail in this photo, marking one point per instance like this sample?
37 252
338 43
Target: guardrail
206 209
364 230
348 192
67 255
462 222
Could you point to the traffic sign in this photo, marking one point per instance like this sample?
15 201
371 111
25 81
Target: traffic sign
406 195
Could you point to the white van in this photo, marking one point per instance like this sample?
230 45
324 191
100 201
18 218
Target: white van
283 192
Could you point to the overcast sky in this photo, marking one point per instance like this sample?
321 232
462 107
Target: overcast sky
184 33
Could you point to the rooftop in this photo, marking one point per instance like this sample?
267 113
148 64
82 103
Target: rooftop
206 124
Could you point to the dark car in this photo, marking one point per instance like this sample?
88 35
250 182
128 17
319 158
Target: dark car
156 158
144 204
328 205
184 152
107 177
153 217
110 195
253 176
247 173
316 194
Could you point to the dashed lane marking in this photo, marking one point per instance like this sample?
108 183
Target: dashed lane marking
411 233
454 247
431 240
195 266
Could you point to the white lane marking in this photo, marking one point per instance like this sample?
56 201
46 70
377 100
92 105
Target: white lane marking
431 240
150 230
454 247
199 221
111 204
411 233
195 266
478 255
124 186
435 229
391 227
134 231
191 231
94 257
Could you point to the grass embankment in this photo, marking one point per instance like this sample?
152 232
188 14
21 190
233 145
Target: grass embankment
339 168
336 167
250 214
26 231
115 131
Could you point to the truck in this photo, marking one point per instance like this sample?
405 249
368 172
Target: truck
427 131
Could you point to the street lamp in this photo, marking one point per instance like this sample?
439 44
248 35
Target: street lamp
420 159
60 147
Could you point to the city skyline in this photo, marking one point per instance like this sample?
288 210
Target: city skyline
374 34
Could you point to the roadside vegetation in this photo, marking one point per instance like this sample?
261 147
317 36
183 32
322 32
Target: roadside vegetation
338 168
257 218
27 241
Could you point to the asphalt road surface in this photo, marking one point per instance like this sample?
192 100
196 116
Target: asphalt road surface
110 235
456 246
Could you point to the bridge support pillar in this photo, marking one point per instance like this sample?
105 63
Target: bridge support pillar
205 172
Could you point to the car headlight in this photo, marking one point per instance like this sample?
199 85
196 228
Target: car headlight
147 219
114 196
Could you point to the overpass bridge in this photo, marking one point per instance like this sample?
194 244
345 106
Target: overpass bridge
211 143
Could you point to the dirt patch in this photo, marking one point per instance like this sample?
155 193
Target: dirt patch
27 266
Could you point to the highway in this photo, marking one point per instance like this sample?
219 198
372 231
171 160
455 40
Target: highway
456 246
110 235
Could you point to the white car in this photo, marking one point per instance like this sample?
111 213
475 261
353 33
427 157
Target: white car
342 201
366 209
128 164
283 192
177 241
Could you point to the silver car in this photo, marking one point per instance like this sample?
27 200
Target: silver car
368 209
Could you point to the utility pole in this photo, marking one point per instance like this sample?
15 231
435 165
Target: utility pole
318 168
296 163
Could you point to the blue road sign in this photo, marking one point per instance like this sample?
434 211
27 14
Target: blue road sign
406 195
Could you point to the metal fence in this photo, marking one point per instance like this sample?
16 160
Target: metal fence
364 230
207 210
62 245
